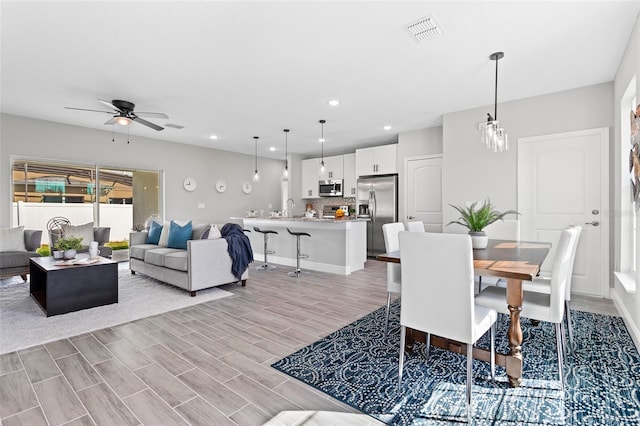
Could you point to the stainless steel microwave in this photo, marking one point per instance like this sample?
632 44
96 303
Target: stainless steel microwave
330 188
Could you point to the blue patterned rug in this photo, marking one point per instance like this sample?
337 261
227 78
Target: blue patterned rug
357 366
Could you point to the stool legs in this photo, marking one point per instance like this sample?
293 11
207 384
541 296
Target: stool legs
299 256
266 265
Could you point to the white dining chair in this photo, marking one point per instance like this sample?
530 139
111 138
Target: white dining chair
390 232
541 306
542 284
437 295
415 226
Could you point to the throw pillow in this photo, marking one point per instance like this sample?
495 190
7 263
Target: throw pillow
200 231
83 231
164 235
12 239
214 233
179 235
154 233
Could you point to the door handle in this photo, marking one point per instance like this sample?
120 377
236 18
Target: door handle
594 223
410 217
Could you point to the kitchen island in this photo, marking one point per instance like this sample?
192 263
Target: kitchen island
337 246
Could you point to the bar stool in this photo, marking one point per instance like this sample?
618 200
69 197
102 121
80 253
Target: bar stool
266 233
299 256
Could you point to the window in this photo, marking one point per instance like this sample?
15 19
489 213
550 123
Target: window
630 185
82 193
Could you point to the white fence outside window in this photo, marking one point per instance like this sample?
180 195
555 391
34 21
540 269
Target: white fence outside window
119 217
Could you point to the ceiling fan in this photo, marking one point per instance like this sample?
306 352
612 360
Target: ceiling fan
125 114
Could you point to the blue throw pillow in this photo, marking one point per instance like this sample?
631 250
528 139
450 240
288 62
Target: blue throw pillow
154 233
179 235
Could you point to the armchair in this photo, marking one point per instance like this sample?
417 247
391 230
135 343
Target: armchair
14 260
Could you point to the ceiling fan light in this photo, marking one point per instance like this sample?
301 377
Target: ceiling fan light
123 121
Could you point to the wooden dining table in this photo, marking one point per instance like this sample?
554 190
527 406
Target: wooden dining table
515 261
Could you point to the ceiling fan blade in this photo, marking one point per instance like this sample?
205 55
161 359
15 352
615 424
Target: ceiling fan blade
92 110
112 121
152 114
147 123
110 105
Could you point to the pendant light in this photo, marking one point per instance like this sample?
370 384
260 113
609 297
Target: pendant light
256 176
321 140
285 173
492 135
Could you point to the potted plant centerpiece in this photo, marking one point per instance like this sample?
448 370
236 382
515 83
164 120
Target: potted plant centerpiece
69 245
476 219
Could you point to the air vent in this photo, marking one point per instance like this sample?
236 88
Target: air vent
423 29
174 126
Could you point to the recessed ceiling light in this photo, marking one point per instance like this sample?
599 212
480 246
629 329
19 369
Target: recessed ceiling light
334 102
273 148
214 137
387 127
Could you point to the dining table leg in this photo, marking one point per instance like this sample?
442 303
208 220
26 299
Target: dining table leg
514 359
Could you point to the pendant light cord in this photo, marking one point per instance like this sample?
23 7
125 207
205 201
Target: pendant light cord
495 102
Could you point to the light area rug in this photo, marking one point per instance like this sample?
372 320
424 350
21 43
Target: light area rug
23 324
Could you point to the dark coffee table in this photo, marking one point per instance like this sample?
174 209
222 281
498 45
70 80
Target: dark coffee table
61 289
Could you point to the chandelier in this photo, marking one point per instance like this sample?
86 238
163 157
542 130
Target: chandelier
492 135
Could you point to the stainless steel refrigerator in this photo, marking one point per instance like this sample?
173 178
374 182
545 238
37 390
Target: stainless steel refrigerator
377 200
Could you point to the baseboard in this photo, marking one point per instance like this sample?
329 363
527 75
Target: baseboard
634 331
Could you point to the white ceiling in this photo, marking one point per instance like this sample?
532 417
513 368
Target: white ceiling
242 69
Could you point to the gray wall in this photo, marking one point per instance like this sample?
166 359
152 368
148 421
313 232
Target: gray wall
38 139
472 172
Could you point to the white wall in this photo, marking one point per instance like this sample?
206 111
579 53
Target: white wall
472 172
627 304
37 139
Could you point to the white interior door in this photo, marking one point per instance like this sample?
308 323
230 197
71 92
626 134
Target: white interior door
562 180
424 191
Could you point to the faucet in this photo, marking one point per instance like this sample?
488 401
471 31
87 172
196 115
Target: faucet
293 206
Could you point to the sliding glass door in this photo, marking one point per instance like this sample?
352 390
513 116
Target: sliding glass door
113 197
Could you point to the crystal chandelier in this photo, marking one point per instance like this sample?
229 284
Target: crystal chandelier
492 135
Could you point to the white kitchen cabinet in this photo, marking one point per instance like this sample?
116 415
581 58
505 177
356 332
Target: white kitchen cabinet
377 160
333 168
350 179
310 172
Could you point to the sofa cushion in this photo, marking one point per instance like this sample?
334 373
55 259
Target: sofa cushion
83 231
13 259
179 235
138 251
12 239
214 233
156 256
200 231
154 233
164 235
177 261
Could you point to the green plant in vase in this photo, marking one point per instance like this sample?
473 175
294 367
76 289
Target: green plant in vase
69 245
475 219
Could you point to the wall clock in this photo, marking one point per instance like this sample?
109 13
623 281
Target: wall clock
221 186
247 188
190 184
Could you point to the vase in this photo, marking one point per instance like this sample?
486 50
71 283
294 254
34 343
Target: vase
69 254
58 254
479 240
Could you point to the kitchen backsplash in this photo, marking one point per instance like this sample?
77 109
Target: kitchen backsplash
324 204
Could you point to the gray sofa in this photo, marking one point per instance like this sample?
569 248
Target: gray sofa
14 263
101 234
205 263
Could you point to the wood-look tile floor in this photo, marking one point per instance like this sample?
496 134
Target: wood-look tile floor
207 364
